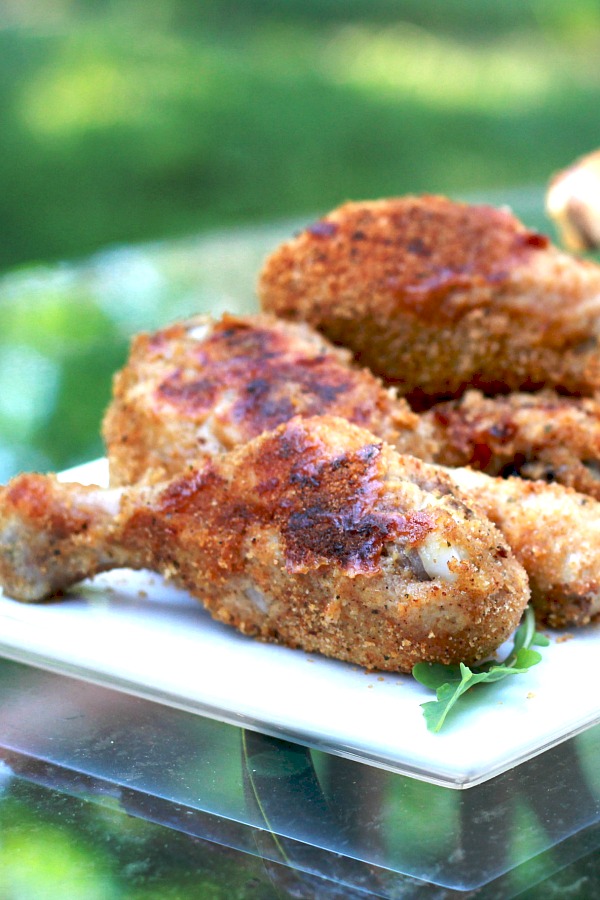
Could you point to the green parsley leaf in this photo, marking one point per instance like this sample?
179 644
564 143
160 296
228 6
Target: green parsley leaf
451 682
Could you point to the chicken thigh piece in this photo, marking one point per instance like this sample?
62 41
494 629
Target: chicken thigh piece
554 532
436 296
316 535
538 436
201 387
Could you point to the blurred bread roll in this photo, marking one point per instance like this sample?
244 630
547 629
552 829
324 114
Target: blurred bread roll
573 203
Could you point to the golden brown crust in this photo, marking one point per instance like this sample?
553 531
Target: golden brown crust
317 535
539 436
436 296
202 387
554 532
314 535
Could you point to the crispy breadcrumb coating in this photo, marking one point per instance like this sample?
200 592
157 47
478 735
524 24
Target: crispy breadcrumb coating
201 387
194 364
538 436
437 296
554 532
316 535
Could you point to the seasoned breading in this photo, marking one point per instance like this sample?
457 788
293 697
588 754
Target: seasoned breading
201 387
554 532
316 535
436 297
539 436
230 355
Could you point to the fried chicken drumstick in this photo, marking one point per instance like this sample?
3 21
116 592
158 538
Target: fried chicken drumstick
316 535
436 297
542 436
200 387
555 533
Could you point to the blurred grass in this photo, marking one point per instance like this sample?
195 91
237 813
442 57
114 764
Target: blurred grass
57 846
121 122
145 121
66 328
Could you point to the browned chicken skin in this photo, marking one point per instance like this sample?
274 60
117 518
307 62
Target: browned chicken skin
319 534
538 436
229 356
316 535
555 533
201 387
436 297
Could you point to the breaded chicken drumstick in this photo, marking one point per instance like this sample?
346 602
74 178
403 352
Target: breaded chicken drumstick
436 297
557 533
316 535
539 436
200 387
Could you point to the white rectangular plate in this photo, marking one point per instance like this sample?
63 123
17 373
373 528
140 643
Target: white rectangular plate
131 631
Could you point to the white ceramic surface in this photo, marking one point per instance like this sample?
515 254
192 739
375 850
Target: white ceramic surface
133 632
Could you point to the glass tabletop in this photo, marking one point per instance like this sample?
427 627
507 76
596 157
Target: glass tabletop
114 761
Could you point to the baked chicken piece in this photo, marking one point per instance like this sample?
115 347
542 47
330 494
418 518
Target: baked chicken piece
555 533
437 296
201 387
316 535
538 436
169 411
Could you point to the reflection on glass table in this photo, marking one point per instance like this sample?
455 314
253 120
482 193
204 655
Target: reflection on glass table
323 826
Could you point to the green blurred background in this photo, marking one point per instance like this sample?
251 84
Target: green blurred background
152 151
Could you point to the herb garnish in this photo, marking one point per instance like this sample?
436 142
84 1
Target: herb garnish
451 682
